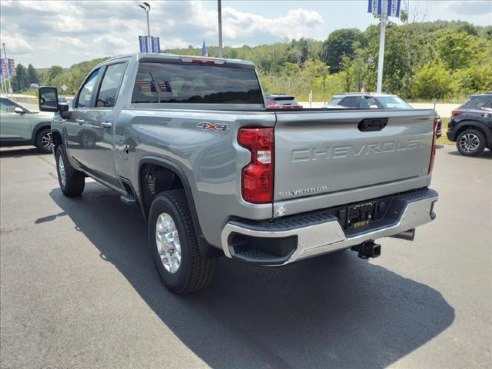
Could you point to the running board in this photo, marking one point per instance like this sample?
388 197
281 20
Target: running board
128 199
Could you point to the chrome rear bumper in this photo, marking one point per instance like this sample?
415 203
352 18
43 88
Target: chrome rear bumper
316 238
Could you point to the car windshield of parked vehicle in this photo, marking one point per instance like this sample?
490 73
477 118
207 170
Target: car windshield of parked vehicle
183 83
393 102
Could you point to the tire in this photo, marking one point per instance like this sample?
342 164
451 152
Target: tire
72 182
470 142
180 264
44 140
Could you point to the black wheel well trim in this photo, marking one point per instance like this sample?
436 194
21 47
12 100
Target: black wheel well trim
57 132
466 124
205 248
39 126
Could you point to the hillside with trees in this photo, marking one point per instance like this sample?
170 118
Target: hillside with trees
431 60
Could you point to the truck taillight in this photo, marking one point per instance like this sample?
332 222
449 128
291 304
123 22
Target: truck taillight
433 149
257 176
456 112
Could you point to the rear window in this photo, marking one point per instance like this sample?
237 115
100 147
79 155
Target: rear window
195 84
478 102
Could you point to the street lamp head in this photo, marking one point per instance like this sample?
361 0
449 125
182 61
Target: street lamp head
145 6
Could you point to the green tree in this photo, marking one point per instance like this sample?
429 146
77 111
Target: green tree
20 82
338 44
32 75
51 74
458 49
434 81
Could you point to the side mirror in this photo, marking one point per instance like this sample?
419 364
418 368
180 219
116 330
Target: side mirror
19 110
48 99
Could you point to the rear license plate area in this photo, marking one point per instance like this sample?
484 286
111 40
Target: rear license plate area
357 217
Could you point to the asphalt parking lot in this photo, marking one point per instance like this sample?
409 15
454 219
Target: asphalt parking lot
78 289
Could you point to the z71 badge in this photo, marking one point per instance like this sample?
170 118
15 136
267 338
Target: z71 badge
214 127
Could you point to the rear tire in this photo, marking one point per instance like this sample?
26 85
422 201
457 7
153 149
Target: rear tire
72 182
174 245
44 140
470 142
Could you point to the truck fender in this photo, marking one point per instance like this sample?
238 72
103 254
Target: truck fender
205 248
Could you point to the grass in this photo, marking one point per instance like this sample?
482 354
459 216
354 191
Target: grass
443 140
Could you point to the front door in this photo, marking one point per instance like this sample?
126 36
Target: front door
99 127
74 127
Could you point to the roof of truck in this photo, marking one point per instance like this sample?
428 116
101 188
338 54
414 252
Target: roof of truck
148 57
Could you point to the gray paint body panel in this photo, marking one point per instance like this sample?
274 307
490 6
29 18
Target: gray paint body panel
212 161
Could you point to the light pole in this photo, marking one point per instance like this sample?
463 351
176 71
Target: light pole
382 35
8 85
219 11
146 7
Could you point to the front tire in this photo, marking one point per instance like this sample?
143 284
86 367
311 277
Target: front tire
72 182
174 245
470 142
44 140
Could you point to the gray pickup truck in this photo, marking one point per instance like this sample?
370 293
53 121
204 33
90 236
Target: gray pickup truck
215 173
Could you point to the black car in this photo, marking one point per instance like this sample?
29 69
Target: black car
368 100
471 125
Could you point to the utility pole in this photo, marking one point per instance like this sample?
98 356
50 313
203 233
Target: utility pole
382 36
219 8
146 7
9 91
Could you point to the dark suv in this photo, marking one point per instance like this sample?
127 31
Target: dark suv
471 125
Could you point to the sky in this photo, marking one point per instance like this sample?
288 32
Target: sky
46 33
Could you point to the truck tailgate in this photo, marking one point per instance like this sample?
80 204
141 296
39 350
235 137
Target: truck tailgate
322 154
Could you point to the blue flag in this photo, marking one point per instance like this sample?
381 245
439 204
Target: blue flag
204 49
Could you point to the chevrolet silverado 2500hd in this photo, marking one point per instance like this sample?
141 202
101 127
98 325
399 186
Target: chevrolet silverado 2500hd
214 172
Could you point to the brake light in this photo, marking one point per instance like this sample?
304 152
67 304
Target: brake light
202 60
456 112
433 149
257 176
272 104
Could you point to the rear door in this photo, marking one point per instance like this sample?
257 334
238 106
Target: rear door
324 153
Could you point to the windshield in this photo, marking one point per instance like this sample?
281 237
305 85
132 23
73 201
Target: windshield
393 102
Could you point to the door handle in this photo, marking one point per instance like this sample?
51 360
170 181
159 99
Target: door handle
80 121
106 124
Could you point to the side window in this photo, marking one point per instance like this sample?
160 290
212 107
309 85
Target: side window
109 86
350 102
85 96
7 105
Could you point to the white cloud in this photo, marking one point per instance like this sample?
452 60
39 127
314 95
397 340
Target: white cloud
296 23
17 44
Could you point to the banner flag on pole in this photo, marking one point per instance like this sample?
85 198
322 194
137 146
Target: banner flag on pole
156 44
4 67
204 49
142 41
375 7
11 67
393 9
